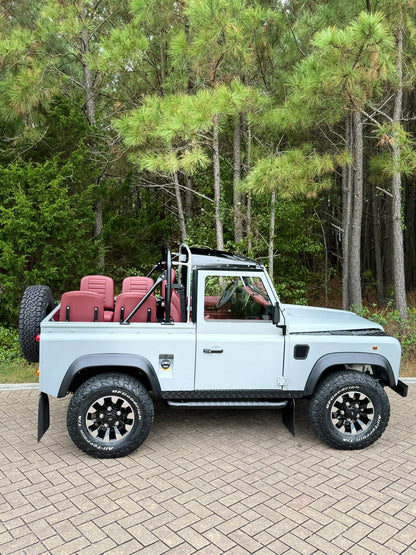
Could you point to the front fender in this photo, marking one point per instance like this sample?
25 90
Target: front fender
110 360
339 359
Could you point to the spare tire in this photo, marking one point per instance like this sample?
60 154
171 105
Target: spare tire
37 303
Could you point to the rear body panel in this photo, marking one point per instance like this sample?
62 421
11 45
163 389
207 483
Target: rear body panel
62 343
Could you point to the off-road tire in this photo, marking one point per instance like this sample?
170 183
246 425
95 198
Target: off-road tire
37 303
110 415
349 410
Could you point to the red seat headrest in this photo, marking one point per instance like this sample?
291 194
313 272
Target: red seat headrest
103 285
137 284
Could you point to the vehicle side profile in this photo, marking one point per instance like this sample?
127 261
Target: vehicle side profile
205 329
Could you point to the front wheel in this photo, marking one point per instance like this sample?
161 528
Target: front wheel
110 415
349 410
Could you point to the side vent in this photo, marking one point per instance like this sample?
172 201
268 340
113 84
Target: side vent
301 352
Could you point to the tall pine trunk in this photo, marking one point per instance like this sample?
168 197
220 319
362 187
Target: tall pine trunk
378 251
237 197
217 184
188 197
410 234
90 108
347 176
179 204
248 216
356 215
271 233
397 229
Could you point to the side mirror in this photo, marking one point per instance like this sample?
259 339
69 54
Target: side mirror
276 314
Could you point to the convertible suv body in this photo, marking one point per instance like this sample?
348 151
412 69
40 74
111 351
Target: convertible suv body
207 331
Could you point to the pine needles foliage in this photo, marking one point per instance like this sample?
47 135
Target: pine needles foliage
292 174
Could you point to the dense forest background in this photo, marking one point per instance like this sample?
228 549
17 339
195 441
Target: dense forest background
283 130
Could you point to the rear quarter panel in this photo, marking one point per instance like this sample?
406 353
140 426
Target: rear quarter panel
61 343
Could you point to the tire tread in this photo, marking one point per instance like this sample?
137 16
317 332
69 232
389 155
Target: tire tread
36 303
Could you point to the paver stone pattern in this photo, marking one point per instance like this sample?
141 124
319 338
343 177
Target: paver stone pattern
210 481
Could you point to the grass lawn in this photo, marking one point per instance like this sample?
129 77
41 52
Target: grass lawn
18 371
408 367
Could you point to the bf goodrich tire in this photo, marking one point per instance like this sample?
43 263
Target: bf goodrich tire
349 410
37 303
110 415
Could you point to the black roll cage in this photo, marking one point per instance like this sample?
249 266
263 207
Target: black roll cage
184 259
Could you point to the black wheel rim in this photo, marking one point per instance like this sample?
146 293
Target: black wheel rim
110 419
352 413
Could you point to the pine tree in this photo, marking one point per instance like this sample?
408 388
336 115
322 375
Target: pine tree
225 41
168 135
336 79
58 56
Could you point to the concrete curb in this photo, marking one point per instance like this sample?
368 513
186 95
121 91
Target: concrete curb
28 386
18 386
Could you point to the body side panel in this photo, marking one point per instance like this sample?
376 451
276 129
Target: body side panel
62 344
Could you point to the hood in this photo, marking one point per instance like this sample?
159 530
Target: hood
303 319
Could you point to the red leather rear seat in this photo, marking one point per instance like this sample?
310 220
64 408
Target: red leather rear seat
175 303
81 306
125 303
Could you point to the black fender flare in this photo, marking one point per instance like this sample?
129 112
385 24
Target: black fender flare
110 360
336 359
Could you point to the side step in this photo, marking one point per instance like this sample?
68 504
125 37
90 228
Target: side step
288 406
228 404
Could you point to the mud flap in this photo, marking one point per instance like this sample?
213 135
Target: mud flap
288 416
401 388
43 415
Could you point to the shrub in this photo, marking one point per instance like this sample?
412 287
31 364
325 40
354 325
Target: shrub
9 345
46 222
391 321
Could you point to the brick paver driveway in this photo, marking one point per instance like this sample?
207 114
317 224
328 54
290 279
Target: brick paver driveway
206 482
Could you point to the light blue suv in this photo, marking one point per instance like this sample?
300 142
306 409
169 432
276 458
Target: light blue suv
204 329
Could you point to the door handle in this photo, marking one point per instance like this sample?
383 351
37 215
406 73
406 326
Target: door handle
212 351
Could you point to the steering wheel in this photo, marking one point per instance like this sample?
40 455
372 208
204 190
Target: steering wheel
227 294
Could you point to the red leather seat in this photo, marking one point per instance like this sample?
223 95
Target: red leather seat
175 307
81 306
137 284
104 286
125 302
175 301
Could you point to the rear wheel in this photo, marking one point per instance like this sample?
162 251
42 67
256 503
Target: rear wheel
37 303
349 410
110 415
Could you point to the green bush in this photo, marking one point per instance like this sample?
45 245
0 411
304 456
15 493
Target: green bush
392 323
46 228
9 345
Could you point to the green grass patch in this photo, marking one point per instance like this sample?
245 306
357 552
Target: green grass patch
18 371
13 367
